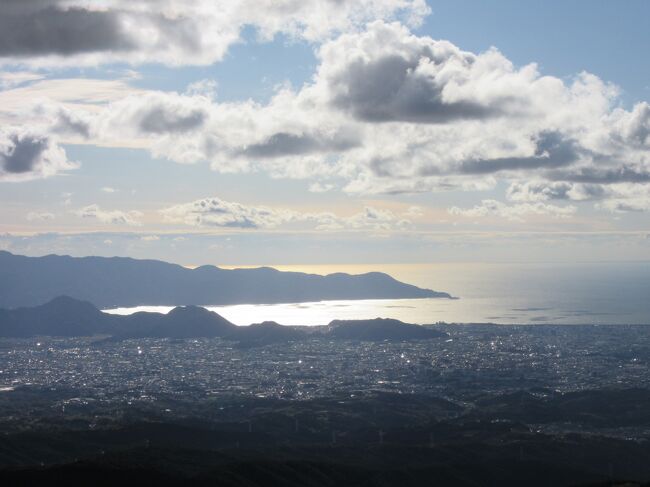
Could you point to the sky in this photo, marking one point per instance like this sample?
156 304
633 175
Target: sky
326 131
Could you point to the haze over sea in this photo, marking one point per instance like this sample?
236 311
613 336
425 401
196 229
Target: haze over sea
549 293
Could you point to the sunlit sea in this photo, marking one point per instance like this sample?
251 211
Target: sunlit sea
589 293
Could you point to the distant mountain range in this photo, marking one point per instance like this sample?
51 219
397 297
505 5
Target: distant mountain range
125 282
68 317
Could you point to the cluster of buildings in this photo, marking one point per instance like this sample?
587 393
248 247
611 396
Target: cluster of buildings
473 359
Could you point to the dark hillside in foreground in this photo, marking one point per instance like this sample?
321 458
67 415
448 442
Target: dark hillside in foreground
124 282
377 441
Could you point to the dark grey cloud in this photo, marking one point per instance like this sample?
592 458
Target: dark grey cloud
383 167
388 89
38 28
67 123
552 150
33 28
160 120
286 144
175 32
24 155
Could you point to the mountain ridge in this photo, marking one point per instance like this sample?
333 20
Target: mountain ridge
109 282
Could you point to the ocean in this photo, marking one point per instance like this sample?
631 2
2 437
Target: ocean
584 293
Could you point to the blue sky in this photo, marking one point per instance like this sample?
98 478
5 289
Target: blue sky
377 131
563 37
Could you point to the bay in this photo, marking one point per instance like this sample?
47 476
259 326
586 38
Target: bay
546 293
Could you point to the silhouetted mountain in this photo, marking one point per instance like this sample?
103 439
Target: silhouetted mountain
380 329
181 322
116 282
268 332
64 316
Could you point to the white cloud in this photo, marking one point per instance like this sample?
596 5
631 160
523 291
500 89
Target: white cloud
319 187
516 212
11 79
63 108
449 120
40 216
155 114
114 217
633 127
626 197
553 190
387 111
29 154
205 87
613 197
86 93
625 205
370 218
388 74
215 212
173 32
219 213
415 212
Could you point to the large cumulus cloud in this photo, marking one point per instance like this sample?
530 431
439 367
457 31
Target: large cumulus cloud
387 74
175 32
